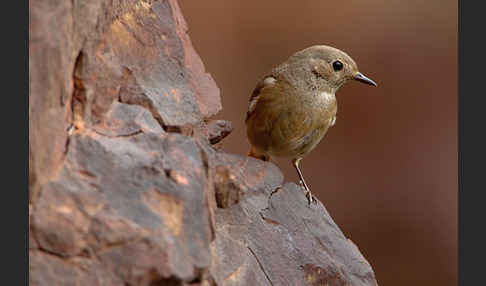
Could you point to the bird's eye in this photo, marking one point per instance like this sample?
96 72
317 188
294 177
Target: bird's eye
337 65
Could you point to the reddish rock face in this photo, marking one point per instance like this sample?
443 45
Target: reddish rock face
86 55
127 186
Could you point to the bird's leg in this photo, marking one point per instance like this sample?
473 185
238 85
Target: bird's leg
255 154
308 193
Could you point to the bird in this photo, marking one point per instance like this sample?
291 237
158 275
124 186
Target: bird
293 106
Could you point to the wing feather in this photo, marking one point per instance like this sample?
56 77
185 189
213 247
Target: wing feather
255 95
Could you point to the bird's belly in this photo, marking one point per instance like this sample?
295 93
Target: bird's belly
298 147
311 140
284 128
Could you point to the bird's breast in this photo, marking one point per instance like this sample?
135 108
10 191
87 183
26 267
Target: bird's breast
325 99
322 105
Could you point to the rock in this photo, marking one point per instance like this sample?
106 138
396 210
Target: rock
128 185
270 236
217 130
136 206
85 55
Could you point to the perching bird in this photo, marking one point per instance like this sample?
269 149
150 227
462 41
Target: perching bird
293 106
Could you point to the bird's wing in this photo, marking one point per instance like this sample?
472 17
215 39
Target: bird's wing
267 81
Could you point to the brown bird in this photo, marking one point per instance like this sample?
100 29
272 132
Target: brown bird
293 106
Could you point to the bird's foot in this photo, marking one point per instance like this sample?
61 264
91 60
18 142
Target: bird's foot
310 198
308 194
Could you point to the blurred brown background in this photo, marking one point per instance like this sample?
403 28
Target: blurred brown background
387 171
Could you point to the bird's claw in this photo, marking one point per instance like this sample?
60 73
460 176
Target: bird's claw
310 198
308 194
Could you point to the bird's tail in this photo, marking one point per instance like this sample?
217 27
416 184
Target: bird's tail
255 154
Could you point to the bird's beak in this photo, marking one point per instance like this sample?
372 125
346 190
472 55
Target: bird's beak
362 78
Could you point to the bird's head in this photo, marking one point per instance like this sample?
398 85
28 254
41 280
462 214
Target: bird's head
330 67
